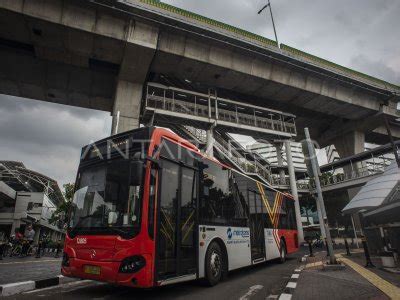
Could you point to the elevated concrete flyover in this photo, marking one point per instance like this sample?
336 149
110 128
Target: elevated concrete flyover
209 54
75 53
100 54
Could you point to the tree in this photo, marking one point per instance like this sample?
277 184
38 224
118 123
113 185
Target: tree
58 217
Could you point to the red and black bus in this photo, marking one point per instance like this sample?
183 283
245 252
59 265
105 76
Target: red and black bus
150 209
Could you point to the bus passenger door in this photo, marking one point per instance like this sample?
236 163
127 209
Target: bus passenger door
257 238
176 234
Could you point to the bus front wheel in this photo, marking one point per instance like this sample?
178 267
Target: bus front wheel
214 264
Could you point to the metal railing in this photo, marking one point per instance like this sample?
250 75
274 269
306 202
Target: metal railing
199 134
329 178
246 165
250 166
277 181
346 173
214 108
242 162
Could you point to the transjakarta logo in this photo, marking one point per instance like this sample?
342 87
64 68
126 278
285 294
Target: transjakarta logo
237 233
229 233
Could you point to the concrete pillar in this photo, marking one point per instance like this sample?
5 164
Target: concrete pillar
293 187
210 142
279 157
126 110
348 145
141 41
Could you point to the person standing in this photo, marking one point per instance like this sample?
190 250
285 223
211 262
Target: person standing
29 237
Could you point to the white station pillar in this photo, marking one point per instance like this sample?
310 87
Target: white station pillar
293 187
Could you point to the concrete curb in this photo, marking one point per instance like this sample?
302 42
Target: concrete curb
25 286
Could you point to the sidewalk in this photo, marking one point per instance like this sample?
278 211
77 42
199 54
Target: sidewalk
359 258
28 268
353 282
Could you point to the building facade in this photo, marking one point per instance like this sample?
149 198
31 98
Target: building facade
269 152
27 197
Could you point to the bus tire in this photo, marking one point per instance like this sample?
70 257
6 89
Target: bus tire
214 264
283 252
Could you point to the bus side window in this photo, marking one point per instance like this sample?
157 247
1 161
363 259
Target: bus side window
291 214
216 195
238 185
283 218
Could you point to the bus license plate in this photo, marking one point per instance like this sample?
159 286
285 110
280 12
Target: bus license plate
94 270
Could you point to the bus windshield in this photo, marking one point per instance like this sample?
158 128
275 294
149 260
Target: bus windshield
108 199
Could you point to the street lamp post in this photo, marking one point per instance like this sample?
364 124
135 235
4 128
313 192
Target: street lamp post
268 5
312 161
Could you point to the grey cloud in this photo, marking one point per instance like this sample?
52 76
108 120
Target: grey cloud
377 68
48 137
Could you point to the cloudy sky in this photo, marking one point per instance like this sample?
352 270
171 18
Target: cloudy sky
360 34
48 137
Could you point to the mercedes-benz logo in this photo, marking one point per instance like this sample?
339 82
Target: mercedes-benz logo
93 254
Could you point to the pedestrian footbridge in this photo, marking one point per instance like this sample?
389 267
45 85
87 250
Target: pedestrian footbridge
208 110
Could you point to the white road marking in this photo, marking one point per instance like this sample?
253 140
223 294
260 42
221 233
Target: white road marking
291 285
298 270
285 297
295 276
272 297
252 290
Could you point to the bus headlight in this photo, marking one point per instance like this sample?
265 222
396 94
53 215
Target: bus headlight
132 264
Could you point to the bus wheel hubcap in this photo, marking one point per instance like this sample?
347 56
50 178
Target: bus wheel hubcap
215 263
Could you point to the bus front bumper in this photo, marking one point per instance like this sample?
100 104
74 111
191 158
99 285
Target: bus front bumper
107 272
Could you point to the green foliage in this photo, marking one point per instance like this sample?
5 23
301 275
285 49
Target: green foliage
69 189
59 215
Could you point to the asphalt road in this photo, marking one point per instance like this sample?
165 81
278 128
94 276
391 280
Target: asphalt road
258 282
28 268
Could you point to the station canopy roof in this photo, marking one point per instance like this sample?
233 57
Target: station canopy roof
21 179
376 191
